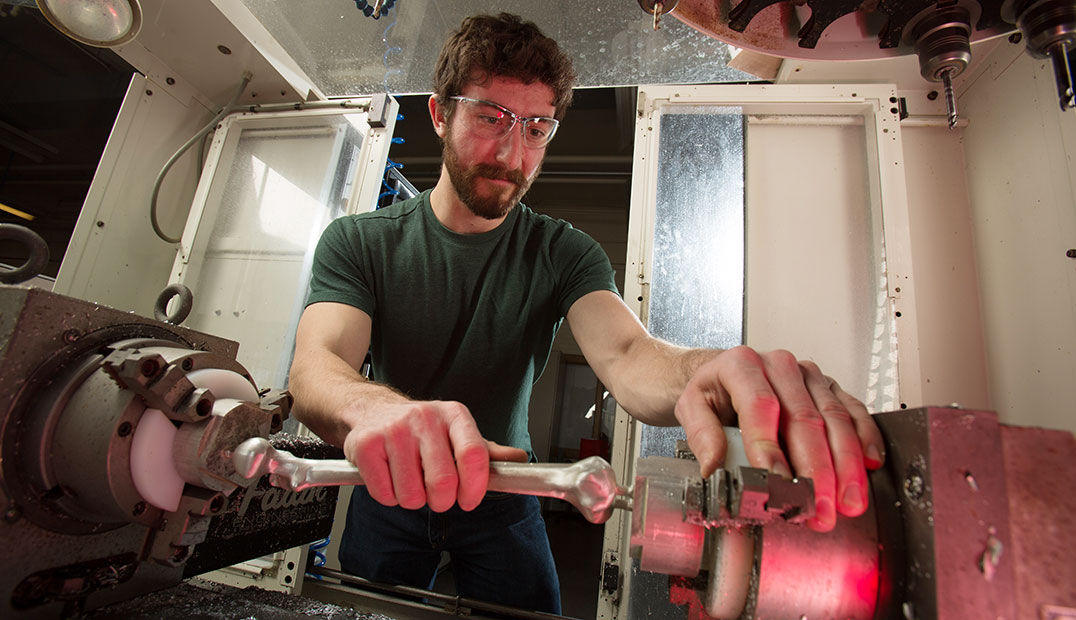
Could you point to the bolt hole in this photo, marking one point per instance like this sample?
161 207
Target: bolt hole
139 508
904 405
188 364
287 579
203 408
974 484
898 314
216 503
170 81
892 100
932 95
897 289
150 368
640 297
224 50
291 565
124 429
894 111
1015 38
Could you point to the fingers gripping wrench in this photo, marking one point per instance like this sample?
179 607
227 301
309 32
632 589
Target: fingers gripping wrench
589 485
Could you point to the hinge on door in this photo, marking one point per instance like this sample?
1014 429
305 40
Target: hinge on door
611 575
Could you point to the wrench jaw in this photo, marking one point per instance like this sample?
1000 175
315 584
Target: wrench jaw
204 451
249 458
596 492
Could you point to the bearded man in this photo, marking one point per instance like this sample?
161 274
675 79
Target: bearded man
458 293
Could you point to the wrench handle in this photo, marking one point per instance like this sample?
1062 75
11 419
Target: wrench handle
589 485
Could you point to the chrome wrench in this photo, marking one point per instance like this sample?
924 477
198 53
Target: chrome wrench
589 485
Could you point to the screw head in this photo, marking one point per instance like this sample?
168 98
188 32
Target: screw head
70 336
150 368
12 514
124 429
100 224
1015 38
1071 253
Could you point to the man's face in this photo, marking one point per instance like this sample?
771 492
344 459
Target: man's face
491 175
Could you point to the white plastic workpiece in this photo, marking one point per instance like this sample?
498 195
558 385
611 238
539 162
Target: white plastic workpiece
224 384
153 467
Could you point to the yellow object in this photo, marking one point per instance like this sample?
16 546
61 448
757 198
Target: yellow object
16 212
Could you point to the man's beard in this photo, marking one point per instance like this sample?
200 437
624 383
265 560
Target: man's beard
488 206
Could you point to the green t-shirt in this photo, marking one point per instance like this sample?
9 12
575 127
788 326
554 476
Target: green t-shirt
469 318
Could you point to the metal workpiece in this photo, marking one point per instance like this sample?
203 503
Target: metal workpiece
589 485
667 522
202 449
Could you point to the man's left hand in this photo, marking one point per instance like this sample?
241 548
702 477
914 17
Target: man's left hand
778 400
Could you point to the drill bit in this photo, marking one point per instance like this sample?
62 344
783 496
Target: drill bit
950 97
1062 75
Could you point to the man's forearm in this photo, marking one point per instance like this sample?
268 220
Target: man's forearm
331 397
651 375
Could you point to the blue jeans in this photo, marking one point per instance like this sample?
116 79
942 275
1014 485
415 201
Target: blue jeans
500 552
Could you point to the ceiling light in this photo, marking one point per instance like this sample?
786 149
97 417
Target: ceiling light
100 23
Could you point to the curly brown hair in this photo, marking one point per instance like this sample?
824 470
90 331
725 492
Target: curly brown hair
505 46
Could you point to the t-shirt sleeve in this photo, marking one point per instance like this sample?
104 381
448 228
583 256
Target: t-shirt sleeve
586 269
337 274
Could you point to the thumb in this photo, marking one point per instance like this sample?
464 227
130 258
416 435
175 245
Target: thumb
497 452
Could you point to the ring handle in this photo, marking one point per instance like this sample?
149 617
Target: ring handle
39 253
182 309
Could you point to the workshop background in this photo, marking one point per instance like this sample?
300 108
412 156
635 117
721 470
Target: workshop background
990 218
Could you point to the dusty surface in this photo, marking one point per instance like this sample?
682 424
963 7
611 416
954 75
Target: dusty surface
202 600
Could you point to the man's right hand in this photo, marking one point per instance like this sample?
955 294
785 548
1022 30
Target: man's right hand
419 453
410 453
